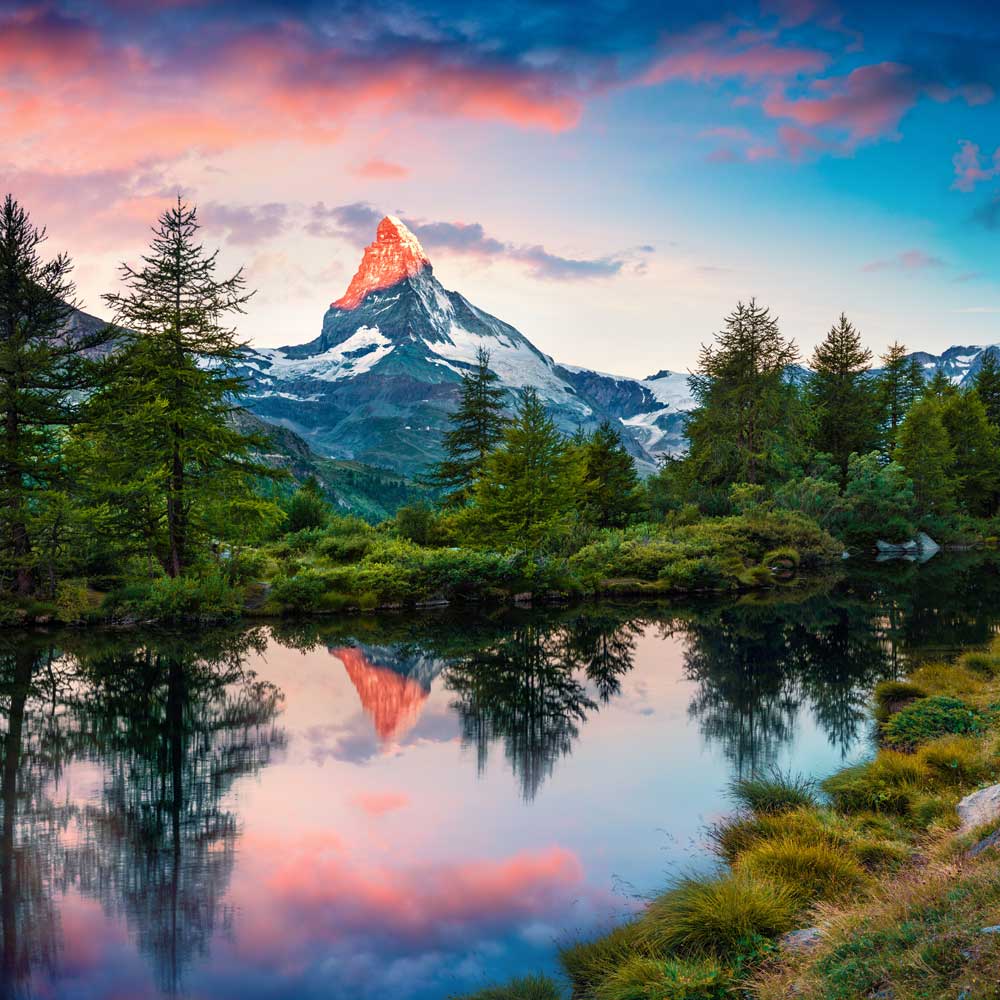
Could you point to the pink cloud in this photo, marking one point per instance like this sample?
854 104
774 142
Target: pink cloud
719 58
377 804
866 103
382 170
969 168
907 260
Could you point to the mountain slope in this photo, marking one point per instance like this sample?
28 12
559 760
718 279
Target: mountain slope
379 381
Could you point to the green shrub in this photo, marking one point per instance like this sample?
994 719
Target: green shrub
347 548
670 979
73 601
718 916
928 718
948 678
528 988
302 592
891 696
817 870
784 558
886 784
773 792
208 596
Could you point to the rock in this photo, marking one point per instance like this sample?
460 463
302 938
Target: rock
901 549
801 940
979 808
984 845
437 601
995 929
926 544
524 598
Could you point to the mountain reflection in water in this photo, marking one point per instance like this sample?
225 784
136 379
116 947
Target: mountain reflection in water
327 810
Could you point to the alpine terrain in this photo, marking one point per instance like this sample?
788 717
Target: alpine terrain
378 382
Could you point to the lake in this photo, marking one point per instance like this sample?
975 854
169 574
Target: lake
406 806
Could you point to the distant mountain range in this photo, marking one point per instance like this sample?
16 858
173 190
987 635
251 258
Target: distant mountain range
374 390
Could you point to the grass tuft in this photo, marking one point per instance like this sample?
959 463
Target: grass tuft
652 979
718 916
589 963
528 988
891 696
773 792
886 784
812 871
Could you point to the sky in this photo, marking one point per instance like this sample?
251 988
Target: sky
611 178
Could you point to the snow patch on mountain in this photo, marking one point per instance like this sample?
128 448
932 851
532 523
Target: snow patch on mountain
360 353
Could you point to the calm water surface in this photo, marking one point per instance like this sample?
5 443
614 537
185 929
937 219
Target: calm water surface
406 807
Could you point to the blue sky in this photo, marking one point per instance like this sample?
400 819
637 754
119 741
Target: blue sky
609 177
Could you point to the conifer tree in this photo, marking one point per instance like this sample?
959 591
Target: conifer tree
987 384
899 385
529 483
843 396
975 444
924 451
43 369
160 448
744 429
940 386
476 428
610 480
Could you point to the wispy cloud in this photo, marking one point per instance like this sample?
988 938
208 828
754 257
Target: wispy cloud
907 260
246 225
357 222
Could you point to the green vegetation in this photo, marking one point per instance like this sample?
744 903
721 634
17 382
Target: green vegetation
126 462
529 988
877 867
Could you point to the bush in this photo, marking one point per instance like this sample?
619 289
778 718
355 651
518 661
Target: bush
73 600
302 592
929 718
814 871
169 598
529 988
886 784
784 558
719 916
671 979
891 696
773 793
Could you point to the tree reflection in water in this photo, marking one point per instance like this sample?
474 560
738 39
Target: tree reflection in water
172 723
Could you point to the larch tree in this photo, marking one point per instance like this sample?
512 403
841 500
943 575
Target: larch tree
744 429
987 384
530 482
160 447
925 452
897 388
610 487
975 445
476 428
841 391
44 367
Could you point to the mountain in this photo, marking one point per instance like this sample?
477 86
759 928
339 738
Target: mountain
960 364
378 383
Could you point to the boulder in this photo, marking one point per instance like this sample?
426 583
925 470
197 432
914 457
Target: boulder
897 549
927 545
979 808
801 940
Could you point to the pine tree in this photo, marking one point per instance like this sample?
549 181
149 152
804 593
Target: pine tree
898 386
987 384
43 369
926 455
476 428
159 446
843 396
610 480
940 386
529 483
744 429
975 444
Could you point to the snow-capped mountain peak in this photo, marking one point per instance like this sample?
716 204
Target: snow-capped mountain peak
394 255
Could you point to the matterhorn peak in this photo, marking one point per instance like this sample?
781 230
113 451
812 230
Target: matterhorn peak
396 254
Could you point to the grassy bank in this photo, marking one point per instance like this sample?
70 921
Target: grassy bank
349 565
870 866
